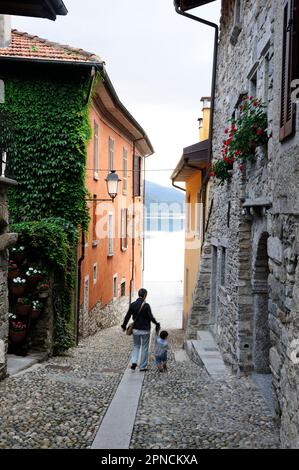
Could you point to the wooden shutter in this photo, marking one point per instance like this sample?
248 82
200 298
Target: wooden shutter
137 176
287 112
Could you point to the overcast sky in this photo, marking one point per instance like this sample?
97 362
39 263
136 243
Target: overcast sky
159 63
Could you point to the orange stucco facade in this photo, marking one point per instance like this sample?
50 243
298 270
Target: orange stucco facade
113 264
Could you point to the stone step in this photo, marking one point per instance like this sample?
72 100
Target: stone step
204 351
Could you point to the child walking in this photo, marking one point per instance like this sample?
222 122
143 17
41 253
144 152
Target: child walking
161 348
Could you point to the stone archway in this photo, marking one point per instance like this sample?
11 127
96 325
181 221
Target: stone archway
261 328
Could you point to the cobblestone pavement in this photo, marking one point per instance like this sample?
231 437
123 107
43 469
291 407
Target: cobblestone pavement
59 404
185 408
51 407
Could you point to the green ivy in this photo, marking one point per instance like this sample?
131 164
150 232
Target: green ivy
51 130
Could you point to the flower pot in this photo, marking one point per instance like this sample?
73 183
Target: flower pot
23 310
35 313
18 257
34 280
43 295
17 336
17 290
13 273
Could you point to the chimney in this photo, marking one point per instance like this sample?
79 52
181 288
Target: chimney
5 30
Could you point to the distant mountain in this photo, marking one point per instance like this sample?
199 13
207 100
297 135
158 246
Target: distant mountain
156 193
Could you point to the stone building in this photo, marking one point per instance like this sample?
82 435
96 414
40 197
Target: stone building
247 291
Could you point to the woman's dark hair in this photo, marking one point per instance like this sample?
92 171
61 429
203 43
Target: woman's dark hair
163 334
142 293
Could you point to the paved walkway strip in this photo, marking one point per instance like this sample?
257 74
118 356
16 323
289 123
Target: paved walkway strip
116 428
210 355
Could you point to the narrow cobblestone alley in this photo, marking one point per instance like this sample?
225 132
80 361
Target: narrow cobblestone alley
60 403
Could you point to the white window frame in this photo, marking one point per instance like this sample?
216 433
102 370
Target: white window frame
110 234
124 228
96 150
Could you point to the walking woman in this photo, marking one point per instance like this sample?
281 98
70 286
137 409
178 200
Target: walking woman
142 318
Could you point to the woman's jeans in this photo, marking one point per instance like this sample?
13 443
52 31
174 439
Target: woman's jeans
140 341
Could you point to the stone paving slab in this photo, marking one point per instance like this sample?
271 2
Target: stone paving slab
16 364
116 428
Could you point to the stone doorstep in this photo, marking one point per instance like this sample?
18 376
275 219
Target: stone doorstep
16 364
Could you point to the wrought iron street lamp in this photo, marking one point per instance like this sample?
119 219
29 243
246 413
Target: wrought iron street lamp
112 181
186 5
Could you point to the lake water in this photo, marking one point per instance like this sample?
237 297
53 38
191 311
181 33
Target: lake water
163 276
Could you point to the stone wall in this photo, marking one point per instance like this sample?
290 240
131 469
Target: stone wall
101 317
254 282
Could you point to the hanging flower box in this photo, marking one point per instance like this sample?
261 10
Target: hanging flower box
17 330
18 254
18 286
13 270
36 310
34 276
23 307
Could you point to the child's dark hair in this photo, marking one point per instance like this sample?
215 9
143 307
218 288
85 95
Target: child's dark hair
163 334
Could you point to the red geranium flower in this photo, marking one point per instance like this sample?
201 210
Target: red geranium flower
260 131
241 168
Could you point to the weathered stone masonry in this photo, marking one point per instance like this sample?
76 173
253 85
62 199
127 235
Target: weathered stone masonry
251 301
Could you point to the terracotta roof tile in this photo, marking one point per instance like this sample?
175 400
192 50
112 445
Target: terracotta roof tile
24 45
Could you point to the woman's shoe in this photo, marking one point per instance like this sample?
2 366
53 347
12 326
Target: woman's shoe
133 366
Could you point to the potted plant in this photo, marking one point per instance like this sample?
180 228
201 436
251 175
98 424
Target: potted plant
34 276
43 290
18 286
17 329
18 253
23 306
36 309
12 270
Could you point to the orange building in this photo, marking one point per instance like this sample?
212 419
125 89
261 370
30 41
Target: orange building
111 271
191 170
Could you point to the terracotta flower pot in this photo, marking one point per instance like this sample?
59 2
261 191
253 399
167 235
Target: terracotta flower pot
35 313
34 280
43 295
18 257
17 290
23 310
13 273
17 336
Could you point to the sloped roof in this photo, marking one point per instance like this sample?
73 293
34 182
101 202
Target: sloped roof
38 8
195 158
27 46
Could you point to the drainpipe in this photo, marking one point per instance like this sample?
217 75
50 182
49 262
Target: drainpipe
216 28
79 277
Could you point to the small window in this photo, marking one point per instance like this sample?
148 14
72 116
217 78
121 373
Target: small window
95 273
111 154
125 169
123 289
96 151
237 27
253 85
115 290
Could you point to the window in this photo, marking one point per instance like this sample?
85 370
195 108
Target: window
188 225
96 151
125 169
123 289
111 154
95 273
124 229
110 235
223 266
289 68
115 290
253 84
137 176
237 27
